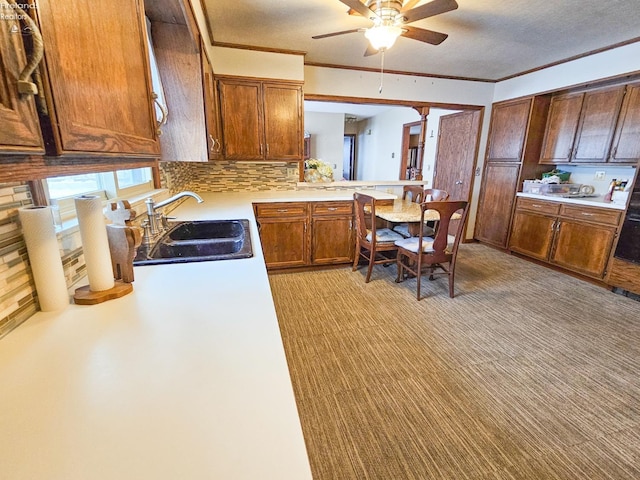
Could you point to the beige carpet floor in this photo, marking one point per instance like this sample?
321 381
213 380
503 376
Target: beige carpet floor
527 373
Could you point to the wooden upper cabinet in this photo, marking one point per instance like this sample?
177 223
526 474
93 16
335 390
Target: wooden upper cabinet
261 120
242 119
562 124
626 141
98 75
184 135
508 130
19 125
598 117
283 128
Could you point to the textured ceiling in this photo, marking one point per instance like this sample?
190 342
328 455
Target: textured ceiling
488 39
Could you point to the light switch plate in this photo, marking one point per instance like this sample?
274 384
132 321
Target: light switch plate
599 175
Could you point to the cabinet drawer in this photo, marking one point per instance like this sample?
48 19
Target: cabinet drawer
591 214
539 206
283 209
332 208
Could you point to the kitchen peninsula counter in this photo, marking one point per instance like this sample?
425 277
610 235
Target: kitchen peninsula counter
185 377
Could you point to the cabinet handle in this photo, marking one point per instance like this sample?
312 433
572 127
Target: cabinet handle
283 210
588 214
332 209
569 153
261 150
26 87
215 144
267 149
536 205
163 110
613 153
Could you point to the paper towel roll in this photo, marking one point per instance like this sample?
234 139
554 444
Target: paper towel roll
93 232
44 255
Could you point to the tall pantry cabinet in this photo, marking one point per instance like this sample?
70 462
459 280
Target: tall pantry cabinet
513 150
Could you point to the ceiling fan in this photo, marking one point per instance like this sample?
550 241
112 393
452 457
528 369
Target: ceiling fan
390 20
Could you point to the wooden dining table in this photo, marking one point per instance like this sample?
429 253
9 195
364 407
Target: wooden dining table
406 211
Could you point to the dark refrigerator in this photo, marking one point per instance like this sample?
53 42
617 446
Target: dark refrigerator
628 248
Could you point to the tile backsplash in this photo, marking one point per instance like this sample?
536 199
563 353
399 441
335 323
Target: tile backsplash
18 296
228 176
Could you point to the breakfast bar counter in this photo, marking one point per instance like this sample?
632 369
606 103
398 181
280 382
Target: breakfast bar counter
185 377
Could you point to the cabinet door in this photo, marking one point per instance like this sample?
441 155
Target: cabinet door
600 111
332 240
184 135
532 234
242 119
284 242
98 70
499 187
564 113
212 109
20 131
508 131
583 247
626 142
283 122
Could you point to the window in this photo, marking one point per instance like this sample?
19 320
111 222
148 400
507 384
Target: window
61 191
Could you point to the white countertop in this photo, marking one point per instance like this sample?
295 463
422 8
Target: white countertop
587 201
186 377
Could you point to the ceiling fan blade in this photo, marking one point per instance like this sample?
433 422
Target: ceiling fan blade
359 7
422 35
436 7
409 5
327 35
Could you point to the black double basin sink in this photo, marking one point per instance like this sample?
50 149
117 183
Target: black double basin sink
198 241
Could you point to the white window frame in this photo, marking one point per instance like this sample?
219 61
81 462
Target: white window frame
110 193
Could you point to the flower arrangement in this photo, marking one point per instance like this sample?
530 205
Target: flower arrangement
317 171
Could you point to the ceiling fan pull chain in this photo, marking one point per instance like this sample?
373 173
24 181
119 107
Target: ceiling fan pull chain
381 70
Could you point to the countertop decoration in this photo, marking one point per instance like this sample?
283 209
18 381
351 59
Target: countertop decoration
317 171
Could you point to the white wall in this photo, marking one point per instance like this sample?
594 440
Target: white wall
619 61
380 144
352 83
327 138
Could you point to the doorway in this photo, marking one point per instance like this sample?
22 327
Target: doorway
411 161
349 157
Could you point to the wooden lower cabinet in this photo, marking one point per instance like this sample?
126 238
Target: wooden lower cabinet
532 234
583 247
298 234
331 232
570 236
283 231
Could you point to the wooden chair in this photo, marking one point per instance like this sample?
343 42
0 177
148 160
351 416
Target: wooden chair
422 195
424 253
433 195
376 245
415 192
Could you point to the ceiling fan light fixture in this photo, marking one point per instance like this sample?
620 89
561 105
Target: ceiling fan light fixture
382 37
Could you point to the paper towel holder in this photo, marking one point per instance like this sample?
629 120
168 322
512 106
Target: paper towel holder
124 239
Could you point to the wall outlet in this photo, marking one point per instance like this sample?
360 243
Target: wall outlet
292 172
599 175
